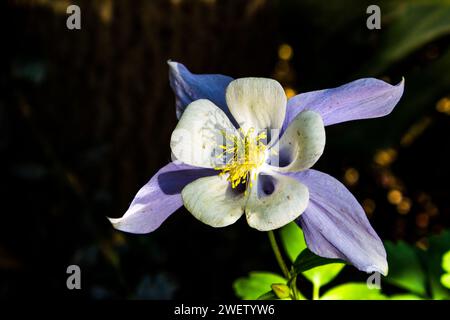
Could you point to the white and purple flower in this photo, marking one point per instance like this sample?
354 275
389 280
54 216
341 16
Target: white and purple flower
242 148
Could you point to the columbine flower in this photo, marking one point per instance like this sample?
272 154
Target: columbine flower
241 147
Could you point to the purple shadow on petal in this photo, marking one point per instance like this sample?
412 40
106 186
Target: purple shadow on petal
360 99
189 87
335 225
158 198
266 185
173 182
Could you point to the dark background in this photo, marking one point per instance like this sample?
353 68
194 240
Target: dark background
86 117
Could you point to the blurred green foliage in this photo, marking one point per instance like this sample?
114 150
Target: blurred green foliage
405 268
417 270
410 269
445 278
352 291
412 25
256 284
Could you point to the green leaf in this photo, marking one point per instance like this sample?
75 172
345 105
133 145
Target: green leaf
353 291
321 270
307 260
294 244
293 240
322 275
445 280
411 26
446 261
256 284
438 246
270 295
405 270
405 296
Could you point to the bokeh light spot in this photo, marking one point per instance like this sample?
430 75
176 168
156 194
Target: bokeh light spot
285 52
369 206
351 176
385 157
404 206
395 196
422 220
289 92
443 105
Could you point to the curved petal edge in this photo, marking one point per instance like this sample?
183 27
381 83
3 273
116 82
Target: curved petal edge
360 99
335 225
158 198
189 87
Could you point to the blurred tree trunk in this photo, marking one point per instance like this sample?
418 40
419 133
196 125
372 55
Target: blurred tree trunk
109 83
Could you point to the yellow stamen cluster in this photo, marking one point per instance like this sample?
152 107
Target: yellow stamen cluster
243 152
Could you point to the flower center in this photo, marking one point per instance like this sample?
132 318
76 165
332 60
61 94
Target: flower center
243 153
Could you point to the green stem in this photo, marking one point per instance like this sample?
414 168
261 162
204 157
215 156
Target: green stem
277 252
294 288
316 293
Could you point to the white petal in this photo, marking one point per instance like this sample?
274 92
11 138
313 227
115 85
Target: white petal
197 136
257 102
274 201
301 145
212 201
